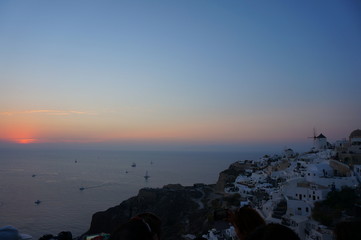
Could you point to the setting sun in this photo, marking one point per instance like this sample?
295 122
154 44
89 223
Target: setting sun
18 130
25 140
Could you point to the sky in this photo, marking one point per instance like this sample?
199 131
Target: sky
205 74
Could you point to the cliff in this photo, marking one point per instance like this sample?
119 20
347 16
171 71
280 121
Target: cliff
183 210
229 175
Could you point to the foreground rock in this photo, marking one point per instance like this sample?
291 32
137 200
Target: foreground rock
183 210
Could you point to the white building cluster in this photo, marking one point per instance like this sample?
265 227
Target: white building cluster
284 188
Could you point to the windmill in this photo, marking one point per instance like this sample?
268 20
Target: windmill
320 141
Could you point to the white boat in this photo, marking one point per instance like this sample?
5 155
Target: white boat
146 176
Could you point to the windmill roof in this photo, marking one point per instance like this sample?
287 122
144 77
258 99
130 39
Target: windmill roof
321 136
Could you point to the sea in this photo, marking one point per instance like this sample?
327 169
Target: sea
71 185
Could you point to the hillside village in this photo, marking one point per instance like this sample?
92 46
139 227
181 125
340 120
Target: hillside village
285 188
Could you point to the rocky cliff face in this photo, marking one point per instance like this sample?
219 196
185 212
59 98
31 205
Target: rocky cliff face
229 175
182 210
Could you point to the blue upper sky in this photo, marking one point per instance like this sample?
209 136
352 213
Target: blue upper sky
182 72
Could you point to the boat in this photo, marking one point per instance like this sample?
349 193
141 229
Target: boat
34 175
134 165
146 176
37 202
81 188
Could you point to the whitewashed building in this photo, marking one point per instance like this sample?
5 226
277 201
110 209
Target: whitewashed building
298 208
302 190
315 171
355 142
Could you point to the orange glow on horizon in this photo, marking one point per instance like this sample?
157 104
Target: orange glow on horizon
19 130
25 140
56 126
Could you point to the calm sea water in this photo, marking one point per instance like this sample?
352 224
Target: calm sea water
107 177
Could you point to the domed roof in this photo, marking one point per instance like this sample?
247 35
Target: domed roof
355 134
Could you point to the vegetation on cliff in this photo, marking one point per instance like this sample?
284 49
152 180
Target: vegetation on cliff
338 205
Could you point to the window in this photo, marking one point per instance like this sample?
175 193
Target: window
306 209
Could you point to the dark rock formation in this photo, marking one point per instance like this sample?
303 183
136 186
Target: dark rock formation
183 210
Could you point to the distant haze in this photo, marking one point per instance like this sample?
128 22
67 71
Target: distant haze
178 75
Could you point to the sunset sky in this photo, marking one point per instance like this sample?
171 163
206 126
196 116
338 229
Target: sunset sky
178 74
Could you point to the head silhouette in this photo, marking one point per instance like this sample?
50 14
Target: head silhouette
145 226
245 220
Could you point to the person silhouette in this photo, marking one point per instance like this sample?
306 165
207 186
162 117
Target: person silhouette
145 226
245 220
